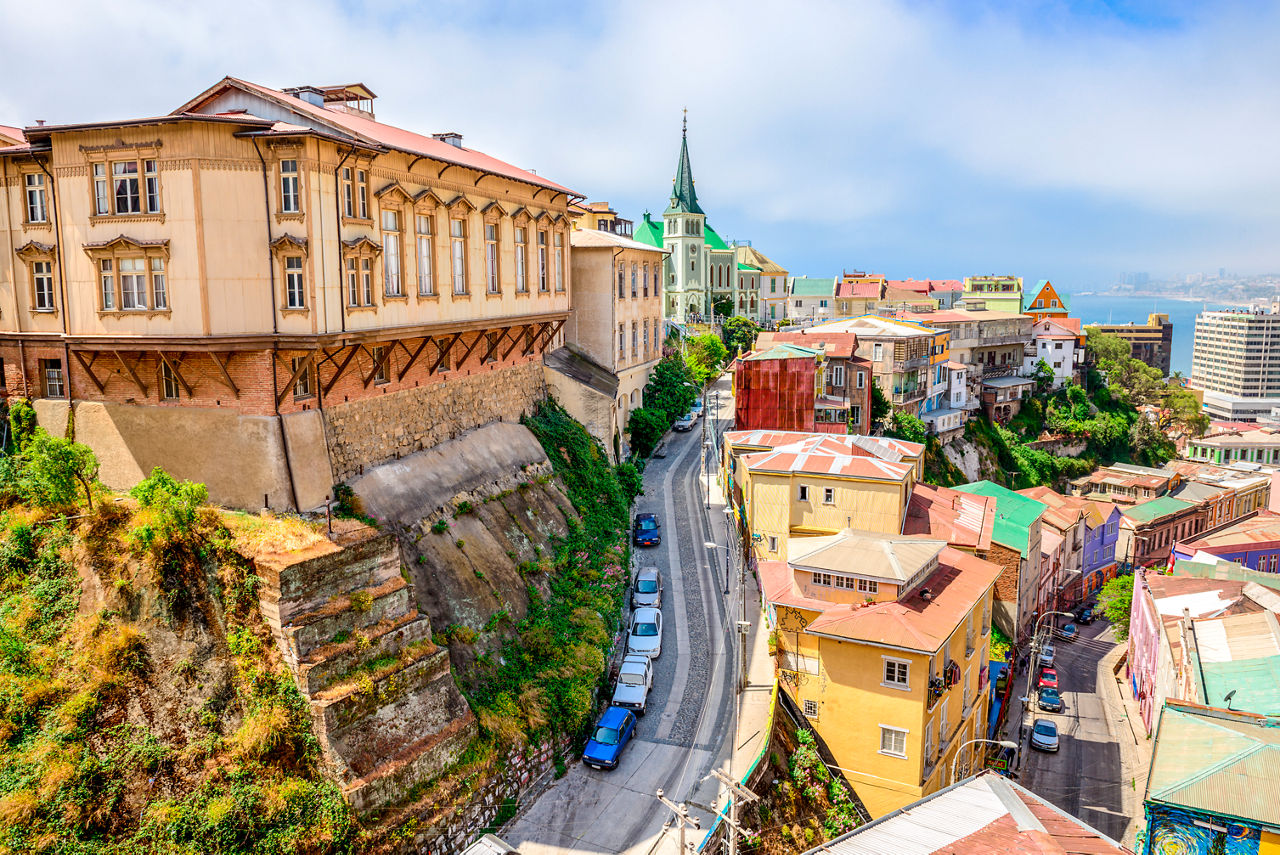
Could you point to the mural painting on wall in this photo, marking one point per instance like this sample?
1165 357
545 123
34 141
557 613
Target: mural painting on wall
1181 836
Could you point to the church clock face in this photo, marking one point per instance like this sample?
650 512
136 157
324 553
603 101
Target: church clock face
692 250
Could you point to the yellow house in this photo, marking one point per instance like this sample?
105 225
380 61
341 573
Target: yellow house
882 641
792 484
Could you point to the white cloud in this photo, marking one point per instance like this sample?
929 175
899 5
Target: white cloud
799 112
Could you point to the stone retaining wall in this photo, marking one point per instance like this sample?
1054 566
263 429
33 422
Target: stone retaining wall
365 433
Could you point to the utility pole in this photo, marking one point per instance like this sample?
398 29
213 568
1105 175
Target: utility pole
683 819
733 792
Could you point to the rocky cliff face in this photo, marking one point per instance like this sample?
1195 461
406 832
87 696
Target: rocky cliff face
474 518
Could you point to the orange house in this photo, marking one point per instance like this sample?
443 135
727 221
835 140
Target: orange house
1047 303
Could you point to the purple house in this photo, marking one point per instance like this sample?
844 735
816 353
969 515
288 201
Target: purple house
1102 530
1253 542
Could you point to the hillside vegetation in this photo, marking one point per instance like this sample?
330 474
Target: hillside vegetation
143 708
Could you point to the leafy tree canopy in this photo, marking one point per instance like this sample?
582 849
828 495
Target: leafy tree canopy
740 334
705 356
646 426
1115 601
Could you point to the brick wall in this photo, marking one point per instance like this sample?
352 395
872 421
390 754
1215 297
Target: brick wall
1006 589
374 430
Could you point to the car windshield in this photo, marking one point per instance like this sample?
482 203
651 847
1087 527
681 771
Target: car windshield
647 586
606 736
647 525
646 629
1046 728
1049 694
631 679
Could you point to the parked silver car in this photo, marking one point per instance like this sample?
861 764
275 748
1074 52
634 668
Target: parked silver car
684 423
635 678
644 637
1046 656
647 589
1044 735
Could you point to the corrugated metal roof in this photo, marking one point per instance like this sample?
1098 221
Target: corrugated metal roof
1156 509
1014 513
1217 761
976 816
895 559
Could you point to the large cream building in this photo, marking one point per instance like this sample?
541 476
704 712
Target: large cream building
265 289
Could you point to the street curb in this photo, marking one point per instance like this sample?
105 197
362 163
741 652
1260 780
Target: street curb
1132 767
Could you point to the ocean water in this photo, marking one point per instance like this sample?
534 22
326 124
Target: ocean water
1104 309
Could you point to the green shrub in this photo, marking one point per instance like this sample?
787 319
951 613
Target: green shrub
646 427
172 508
463 508
629 478
440 526
52 470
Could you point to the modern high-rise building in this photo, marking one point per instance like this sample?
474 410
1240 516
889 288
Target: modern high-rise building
1236 361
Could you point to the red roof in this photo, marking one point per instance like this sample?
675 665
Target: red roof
370 131
961 519
913 622
857 288
12 133
840 345
925 286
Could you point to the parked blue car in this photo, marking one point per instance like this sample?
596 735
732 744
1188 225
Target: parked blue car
645 532
612 733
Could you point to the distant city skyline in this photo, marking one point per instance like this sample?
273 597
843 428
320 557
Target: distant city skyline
1093 138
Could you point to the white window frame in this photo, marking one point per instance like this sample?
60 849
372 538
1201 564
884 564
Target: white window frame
837 375
868 586
491 257
896 734
133 283
426 261
803 494
458 254
290 186
295 293
522 260
168 382
773 543
904 665
42 286
302 386
559 248
877 352
35 197
392 284
828 495
542 262
811 709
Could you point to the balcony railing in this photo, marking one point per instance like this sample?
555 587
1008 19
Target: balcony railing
989 371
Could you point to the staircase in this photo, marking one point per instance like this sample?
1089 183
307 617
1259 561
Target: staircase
386 710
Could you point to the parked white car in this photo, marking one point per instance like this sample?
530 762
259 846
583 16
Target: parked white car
644 637
684 423
647 590
1046 656
635 678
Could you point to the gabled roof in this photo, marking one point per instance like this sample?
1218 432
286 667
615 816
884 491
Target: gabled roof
1015 514
826 454
647 231
714 241
922 620
980 815
807 286
11 136
1216 761
754 257
781 351
588 238
368 131
1156 509
961 519
1059 513
1257 532
892 559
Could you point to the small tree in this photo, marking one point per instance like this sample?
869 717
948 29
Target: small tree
1115 599
722 307
670 388
705 356
53 468
1042 374
647 425
880 406
908 427
740 334
22 422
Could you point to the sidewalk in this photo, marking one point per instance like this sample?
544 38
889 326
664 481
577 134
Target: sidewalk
1130 733
754 703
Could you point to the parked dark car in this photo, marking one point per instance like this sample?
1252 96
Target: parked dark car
1050 700
1084 615
646 530
612 733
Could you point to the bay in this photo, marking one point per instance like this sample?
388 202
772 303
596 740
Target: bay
1107 309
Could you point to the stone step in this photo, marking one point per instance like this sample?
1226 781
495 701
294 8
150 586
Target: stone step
390 601
364 725
306 586
421 761
326 665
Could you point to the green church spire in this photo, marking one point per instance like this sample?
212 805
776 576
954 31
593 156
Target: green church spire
684 200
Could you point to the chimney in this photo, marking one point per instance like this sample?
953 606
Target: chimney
40 123
453 138
310 94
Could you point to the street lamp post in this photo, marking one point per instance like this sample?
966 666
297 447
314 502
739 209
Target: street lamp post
1004 743
709 545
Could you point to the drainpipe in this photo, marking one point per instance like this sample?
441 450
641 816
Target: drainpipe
275 329
62 275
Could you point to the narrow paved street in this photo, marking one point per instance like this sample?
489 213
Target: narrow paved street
687 728
1085 777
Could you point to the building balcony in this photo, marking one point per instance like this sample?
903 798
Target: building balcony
997 340
908 364
989 371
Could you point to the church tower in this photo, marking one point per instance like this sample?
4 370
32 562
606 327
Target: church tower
684 237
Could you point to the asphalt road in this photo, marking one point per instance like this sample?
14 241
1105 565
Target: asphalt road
1084 778
690 705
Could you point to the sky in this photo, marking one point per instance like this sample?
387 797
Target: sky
1059 140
